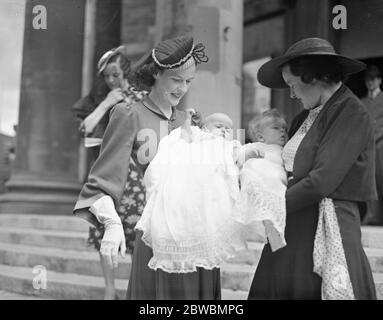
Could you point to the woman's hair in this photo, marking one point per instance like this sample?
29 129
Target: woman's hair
326 69
372 72
123 61
100 89
263 119
142 75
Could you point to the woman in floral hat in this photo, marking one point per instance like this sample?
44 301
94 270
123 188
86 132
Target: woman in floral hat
168 71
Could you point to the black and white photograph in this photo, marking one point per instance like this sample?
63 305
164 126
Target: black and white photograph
205 151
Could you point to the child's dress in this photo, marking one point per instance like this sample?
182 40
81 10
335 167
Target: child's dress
191 190
261 201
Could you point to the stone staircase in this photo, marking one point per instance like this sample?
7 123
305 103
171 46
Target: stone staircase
58 244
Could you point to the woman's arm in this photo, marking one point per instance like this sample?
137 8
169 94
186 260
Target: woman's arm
109 173
339 149
82 108
101 194
90 122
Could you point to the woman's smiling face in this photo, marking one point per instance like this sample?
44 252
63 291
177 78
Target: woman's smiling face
308 93
172 84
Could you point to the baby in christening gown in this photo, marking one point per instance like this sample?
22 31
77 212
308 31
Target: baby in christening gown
192 185
261 201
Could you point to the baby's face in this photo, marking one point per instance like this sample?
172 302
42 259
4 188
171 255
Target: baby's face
275 133
220 127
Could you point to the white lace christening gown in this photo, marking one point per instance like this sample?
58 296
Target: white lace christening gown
261 202
191 191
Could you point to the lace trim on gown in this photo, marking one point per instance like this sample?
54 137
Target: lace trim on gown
191 188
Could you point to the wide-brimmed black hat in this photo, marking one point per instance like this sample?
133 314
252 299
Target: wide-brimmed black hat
270 73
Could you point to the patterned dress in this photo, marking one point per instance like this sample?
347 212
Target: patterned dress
130 210
133 197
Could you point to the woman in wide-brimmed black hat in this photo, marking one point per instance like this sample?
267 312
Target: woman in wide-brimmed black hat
330 164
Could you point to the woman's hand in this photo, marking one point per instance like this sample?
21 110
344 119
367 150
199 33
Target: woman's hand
114 96
88 125
189 114
91 121
112 243
186 132
113 240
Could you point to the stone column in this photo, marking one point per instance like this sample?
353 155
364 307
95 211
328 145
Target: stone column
102 32
219 25
108 27
45 177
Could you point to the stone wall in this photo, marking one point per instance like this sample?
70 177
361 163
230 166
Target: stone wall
137 25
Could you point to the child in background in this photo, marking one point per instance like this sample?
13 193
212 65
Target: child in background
261 200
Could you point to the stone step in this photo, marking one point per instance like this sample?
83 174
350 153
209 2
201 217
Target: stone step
6 295
67 286
378 279
372 237
375 257
64 286
45 238
252 255
44 222
61 286
249 256
88 262
233 277
237 277
59 260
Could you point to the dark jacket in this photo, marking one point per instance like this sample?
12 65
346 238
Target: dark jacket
336 158
133 131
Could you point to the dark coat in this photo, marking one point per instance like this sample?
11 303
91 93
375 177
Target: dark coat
336 157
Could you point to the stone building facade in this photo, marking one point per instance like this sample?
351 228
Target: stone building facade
59 66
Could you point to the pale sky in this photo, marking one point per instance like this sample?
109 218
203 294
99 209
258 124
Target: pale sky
11 39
